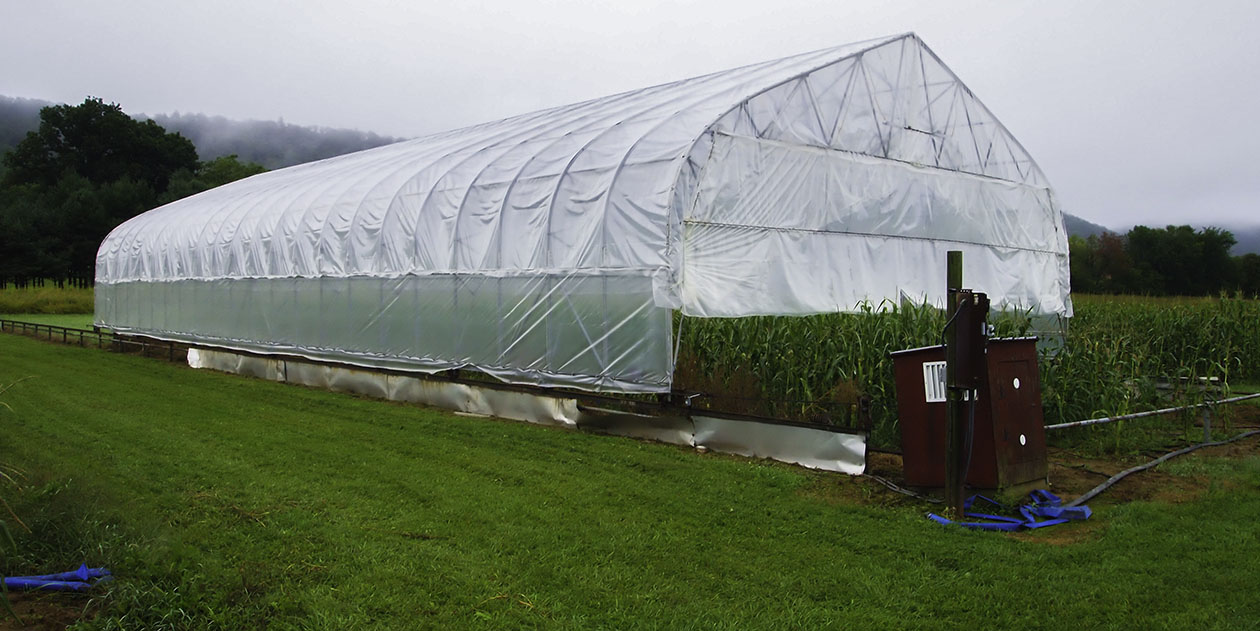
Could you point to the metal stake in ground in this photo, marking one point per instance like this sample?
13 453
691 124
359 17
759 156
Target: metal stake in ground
954 477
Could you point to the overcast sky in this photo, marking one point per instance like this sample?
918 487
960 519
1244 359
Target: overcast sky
1138 111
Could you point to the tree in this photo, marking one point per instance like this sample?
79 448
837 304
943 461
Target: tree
1101 264
22 252
1248 266
88 168
101 143
214 173
1178 260
1084 264
1218 270
1175 260
1114 264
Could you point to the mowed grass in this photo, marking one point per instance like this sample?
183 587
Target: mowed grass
227 502
69 320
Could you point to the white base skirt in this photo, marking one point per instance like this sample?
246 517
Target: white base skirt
812 447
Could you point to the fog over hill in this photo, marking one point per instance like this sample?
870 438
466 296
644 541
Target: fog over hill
276 144
1248 237
273 144
17 117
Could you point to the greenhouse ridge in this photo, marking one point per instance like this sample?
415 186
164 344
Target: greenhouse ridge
551 248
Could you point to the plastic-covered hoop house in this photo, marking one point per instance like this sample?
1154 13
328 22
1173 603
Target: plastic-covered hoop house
552 248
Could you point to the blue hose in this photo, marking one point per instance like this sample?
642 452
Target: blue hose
74 581
1043 509
82 574
26 583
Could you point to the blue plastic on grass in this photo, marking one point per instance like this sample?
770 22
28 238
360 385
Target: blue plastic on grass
25 583
1043 509
83 574
74 581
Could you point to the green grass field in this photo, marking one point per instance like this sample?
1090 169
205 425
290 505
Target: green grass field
71 320
227 502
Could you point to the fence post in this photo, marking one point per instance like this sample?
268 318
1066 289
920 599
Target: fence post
1207 423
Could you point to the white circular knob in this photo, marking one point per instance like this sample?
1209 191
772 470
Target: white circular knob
1023 440
1016 383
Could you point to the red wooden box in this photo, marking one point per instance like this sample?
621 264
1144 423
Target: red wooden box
1009 443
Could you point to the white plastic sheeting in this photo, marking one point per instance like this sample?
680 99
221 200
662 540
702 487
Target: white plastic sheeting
812 447
551 248
599 332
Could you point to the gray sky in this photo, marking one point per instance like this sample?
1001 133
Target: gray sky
1138 111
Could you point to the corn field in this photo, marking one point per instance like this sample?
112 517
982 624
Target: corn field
821 368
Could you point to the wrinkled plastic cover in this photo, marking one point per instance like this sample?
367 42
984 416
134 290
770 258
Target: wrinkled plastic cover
851 183
550 248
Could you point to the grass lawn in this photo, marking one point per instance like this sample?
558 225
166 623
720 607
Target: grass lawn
227 502
71 320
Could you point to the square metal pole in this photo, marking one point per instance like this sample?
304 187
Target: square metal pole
954 430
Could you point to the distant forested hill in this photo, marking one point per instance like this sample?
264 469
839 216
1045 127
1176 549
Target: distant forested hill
273 144
1078 227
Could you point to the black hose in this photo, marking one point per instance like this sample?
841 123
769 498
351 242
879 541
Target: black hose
1092 493
904 491
948 323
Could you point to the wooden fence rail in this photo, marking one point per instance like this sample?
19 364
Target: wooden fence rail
101 338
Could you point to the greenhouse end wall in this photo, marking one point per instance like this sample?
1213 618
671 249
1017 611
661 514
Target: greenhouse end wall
592 332
781 229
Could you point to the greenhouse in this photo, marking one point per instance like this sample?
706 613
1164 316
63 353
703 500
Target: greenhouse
554 248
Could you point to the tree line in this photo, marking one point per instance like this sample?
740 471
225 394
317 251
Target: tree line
86 169
1169 261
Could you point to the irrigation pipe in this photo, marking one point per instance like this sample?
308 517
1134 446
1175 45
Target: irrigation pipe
1125 417
1156 462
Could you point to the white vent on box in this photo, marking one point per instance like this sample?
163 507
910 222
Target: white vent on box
934 382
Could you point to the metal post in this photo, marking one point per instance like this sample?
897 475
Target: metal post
954 478
1207 423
